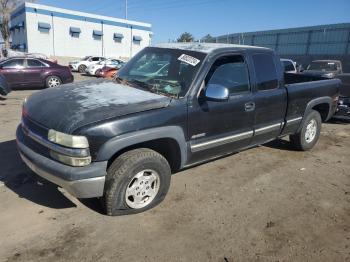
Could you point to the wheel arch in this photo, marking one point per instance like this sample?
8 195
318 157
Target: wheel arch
167 141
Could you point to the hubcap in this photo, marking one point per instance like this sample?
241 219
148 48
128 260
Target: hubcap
54 81
142 189
311 130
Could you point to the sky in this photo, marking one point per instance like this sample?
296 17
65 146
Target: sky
170 18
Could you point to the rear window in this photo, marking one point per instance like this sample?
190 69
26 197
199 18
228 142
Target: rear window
265 70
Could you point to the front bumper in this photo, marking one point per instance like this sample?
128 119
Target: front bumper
90 71
73 67
81 182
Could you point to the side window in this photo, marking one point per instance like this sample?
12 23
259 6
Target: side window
265 71
95 59
34 63
230 72
13 63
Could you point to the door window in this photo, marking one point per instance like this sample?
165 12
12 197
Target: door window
95 59
13 63
230 72
265 71
32 63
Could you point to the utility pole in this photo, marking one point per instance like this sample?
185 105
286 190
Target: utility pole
126 9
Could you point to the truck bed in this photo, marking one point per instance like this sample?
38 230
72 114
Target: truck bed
303 89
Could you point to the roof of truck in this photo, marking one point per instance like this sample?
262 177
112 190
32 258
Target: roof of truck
208 47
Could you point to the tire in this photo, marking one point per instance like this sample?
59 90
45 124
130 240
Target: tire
123 182
309 133
97 73
53 81
82 69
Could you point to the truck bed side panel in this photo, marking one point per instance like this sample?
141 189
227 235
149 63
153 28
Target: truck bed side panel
305 96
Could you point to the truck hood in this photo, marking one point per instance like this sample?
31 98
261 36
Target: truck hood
72 106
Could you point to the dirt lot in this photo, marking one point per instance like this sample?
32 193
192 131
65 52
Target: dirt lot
266 204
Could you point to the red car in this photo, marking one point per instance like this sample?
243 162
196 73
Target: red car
28 72
107 72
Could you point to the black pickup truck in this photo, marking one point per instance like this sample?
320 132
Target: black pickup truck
170 107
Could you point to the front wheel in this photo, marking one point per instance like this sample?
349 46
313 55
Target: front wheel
136 181
82 69
53 81
309 133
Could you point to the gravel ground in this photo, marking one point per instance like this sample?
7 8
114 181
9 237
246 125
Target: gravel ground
269 203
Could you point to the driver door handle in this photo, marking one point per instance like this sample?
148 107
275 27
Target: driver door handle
250 106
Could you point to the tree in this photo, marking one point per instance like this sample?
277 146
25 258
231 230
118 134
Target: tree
208 39
6 8
185 37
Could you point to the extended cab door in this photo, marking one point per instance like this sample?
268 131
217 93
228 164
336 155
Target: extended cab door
270 97
218 128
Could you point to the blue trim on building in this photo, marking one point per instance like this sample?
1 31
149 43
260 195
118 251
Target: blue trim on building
77 17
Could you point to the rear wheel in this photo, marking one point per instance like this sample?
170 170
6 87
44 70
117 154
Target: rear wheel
309 133
53 81
82 69
136 181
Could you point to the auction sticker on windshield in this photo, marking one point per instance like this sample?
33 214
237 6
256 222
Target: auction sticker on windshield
189 59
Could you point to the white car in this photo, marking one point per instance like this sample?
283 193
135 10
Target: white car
81 65
289 65
93 69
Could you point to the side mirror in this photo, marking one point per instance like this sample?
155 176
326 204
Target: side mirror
216 93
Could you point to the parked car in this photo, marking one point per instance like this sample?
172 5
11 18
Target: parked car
343 110
324 68
289 65
121 140
107 72
81 65
25 72
4 86
94 69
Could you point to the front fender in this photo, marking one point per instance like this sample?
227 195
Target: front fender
114 145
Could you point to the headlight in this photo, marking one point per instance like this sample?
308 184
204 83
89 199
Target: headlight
67 140
72 161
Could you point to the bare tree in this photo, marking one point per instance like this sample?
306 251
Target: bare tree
6 8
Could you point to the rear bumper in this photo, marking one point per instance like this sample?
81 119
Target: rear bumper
81 182
69 79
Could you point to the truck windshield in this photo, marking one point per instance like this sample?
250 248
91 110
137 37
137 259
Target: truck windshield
323 66
161 70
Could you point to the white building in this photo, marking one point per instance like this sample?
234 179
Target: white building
60 32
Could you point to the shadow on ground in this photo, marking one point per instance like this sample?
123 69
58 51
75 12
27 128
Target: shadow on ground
21 180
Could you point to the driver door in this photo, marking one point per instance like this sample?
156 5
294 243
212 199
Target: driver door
218 128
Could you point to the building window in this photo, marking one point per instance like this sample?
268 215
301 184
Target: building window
97 34
137 39
19 26
118 37
44 27
75 32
